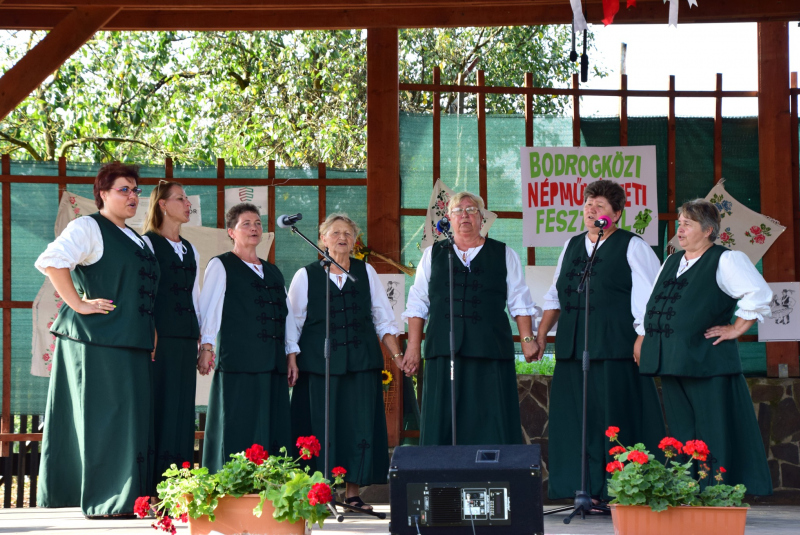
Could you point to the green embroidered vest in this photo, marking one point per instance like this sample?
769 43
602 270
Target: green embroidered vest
174 310
252 333
354 342
611 332
126 274
481 326
679 312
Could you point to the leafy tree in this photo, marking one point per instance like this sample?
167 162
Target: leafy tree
296 97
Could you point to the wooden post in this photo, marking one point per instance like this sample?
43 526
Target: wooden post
623 111
322 198
775 166
795 173
5 421
529 142
383 173
62 171
671 207
483 187
271 208
718 131
437 125
220 193
576 111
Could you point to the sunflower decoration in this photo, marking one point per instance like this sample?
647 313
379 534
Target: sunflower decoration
386 379
361 252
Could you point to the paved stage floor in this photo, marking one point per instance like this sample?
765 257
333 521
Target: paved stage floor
761 520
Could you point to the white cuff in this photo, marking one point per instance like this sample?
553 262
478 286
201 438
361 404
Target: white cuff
551 305
523 311
53 261
639 329
207 339
292 347
413 313
749 315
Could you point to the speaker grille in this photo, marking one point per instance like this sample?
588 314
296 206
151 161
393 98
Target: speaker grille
445 505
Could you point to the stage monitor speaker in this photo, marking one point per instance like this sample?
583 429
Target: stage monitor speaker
450 490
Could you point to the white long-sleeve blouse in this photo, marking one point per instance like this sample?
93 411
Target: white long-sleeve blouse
518 296
737 277
382 313
213 297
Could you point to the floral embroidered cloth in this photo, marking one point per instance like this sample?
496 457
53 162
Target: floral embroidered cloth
437 208
741 229
209 242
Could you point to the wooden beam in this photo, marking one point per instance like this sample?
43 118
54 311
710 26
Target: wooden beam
775 166
383 173
5 419
51 52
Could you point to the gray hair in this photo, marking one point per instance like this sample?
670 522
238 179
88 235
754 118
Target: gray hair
456 199
703 212
330 220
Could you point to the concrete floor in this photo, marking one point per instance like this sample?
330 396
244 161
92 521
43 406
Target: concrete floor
761 520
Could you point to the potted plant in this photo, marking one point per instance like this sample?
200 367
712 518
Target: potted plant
253 493
652 498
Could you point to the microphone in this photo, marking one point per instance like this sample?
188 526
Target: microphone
443 225
286 221
602 221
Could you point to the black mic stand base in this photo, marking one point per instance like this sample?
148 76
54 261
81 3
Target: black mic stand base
583 506
340 517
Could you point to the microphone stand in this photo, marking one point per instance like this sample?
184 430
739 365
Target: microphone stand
583 501
451 240
326 265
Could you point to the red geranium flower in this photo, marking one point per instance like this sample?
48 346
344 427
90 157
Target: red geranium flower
256 454
142 506
697 449
338 471
614 466
187 464
320 493
638 457
722 470
755 229
669 442
309 446
612 432
616 450
185 518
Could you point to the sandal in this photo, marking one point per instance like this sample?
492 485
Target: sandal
357 503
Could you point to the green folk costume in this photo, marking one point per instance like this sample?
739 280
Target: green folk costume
175 362
97 446
358 439
249 399
705 394
617 394
487 404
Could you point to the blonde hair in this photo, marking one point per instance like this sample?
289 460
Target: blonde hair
456 199
155 214
330 220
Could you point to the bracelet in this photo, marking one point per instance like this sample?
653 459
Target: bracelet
396 355
209 350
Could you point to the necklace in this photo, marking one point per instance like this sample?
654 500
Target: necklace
683 266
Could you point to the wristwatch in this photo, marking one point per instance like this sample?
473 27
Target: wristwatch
528 339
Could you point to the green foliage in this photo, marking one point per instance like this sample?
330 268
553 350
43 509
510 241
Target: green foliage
546 366
279 479
658 486
296 97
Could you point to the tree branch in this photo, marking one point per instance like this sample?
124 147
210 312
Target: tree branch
62 150
23 145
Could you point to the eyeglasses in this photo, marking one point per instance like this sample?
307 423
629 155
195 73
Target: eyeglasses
345 235
125 190
469 210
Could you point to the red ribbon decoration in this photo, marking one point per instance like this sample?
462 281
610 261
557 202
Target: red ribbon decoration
611 7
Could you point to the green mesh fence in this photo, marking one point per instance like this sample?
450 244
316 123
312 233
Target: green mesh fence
34 205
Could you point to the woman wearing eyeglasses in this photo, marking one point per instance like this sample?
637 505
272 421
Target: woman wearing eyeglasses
360 315
177 325
97 444
487 278
245 315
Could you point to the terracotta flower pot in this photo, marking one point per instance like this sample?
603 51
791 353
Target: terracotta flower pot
235 516
638 519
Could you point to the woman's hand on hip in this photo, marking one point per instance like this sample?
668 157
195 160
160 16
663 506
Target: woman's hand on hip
95 306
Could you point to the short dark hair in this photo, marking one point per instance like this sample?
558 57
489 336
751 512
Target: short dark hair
232 217
704 213
108 174
613 193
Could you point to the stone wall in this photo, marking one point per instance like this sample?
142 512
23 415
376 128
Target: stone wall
776 403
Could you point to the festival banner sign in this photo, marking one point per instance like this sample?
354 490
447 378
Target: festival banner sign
553 180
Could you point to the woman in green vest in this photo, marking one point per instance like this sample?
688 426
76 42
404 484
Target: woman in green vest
686 338
97 444
487 278
177 327
622 276
244 314
360 316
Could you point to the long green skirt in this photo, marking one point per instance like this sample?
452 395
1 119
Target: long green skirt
245 409
618 396
174 382
719 411
487 403
97 444
358 440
